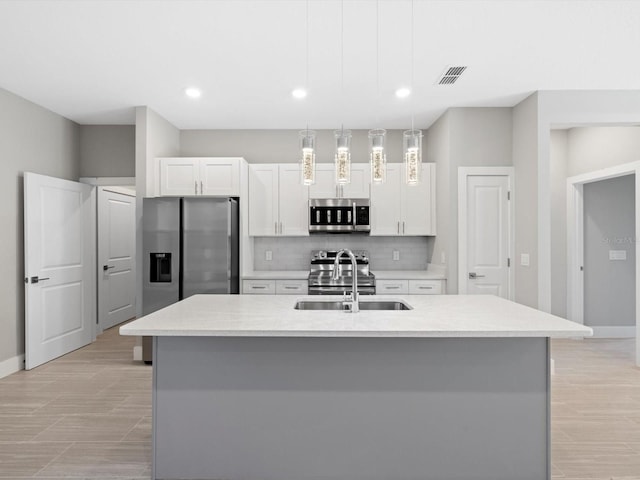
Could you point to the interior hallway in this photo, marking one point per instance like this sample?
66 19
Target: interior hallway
88 414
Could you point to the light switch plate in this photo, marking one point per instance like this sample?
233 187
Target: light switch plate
268 255
396 255
524 259
443 258
617 254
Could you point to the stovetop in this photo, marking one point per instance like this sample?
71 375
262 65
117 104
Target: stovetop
322 264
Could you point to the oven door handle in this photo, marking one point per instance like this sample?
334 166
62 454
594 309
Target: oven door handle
353 215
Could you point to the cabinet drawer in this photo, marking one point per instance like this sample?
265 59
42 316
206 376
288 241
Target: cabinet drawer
425 287
259 287
292 287
390 287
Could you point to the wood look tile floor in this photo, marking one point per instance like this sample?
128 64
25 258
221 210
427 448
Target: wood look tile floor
87 415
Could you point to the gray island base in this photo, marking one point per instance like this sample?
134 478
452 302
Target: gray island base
238 401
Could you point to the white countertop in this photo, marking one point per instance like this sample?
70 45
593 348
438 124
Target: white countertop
277 275
274 316
408 275
380 274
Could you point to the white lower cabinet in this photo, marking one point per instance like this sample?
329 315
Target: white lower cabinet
426 287
259 287
410 287
274 287
390 287
292 287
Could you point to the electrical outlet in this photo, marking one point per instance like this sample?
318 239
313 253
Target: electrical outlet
524 259
396 255
268 255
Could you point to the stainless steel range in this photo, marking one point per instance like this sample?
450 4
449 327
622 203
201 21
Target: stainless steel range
322 264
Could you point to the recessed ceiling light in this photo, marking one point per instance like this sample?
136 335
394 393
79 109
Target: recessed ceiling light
192 92
299 93
403 92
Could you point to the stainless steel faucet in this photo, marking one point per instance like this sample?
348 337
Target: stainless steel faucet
351 303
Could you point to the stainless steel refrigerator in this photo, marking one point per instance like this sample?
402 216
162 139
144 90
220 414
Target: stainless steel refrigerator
190 246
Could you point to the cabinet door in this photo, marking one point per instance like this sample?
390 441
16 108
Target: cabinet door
425 287
179 176
416 205
263 200
325 186
220 176
391 287
293 204
360 181
258 287
385 203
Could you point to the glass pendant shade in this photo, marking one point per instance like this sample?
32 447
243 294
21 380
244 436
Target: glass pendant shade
412 147
378 155
308 156
343 156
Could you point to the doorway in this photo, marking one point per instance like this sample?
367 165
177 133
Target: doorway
485 230
613 252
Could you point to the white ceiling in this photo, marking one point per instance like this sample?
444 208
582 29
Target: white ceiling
93 61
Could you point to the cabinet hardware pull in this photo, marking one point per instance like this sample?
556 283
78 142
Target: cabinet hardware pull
396 287
196 185
403 228
258 287
275 228
291 288
425 288
201 188
398 228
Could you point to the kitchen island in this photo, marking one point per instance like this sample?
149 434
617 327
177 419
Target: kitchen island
246 387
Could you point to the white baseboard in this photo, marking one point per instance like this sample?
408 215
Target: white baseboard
614 332
137 353
11 365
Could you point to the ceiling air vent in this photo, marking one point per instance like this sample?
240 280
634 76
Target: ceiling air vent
450 75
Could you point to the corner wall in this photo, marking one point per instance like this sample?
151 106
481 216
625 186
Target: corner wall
32 139
107 151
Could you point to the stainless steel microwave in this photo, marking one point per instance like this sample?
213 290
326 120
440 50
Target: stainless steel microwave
339 215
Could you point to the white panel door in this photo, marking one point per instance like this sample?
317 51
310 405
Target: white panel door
116 258
385 203
60 289
220 176
416 205
293 201
360 182
325 186
487 226
179 176
263 200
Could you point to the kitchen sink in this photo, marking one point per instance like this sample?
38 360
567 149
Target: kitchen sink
364 305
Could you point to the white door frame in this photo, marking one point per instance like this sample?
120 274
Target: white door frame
463 173
575 239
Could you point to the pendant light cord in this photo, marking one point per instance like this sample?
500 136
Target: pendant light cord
412 89
342 59
378 60
306 74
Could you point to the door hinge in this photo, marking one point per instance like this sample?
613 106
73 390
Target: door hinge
508 195
508 262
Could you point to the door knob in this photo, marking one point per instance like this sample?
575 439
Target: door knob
107 267
473 275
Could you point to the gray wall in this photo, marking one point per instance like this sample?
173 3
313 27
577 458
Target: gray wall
293 253
107 150
154 137
609 224
594 148
278 146
463 137
525 161
559 154
32 139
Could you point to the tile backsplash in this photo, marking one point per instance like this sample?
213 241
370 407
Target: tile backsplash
294 253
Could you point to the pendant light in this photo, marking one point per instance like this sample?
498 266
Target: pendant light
307 137
377 137
342 136
412 139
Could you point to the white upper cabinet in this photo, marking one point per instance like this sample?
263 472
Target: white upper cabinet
199 176
325 186
401 209
278 202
